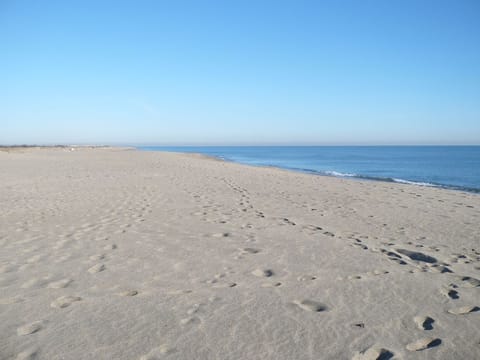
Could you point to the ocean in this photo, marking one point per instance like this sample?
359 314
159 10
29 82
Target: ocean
453 167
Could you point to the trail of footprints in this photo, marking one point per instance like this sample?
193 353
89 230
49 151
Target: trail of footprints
422 262
414 260
417 260
87 230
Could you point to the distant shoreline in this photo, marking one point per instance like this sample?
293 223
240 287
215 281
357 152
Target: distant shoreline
331 174
297 161
8 148
52 146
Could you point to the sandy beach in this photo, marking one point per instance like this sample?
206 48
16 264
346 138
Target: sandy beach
113 253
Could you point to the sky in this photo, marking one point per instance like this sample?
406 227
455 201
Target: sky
240 72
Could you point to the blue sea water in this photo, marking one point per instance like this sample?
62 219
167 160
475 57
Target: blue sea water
455 167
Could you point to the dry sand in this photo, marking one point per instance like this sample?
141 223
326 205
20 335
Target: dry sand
121 254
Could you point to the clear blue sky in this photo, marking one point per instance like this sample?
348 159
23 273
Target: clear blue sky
240 72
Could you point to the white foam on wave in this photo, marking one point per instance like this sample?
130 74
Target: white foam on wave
336 173
401 181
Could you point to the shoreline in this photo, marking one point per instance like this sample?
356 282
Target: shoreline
330 174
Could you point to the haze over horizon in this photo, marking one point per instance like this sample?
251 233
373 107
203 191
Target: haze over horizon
246 73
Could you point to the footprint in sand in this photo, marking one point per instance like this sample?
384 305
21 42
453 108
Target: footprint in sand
354 277
179 292
463 310
63 258
34 259
398 261
96 268
417 256
422 344
34 283
468 281
11 300
220 235
361 246
306 278
110 247
373 353
194 309
271 285
289 222
29 328
424 322
377 272
60 284
7 268
452 294
310 305
64 301
359 325
224 285
250 251
312 228
29 354
158 353
389 253
262 272
190 321
392 256
440 269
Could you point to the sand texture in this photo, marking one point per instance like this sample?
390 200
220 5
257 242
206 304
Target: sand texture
121 254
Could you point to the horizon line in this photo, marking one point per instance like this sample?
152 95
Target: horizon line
123 144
